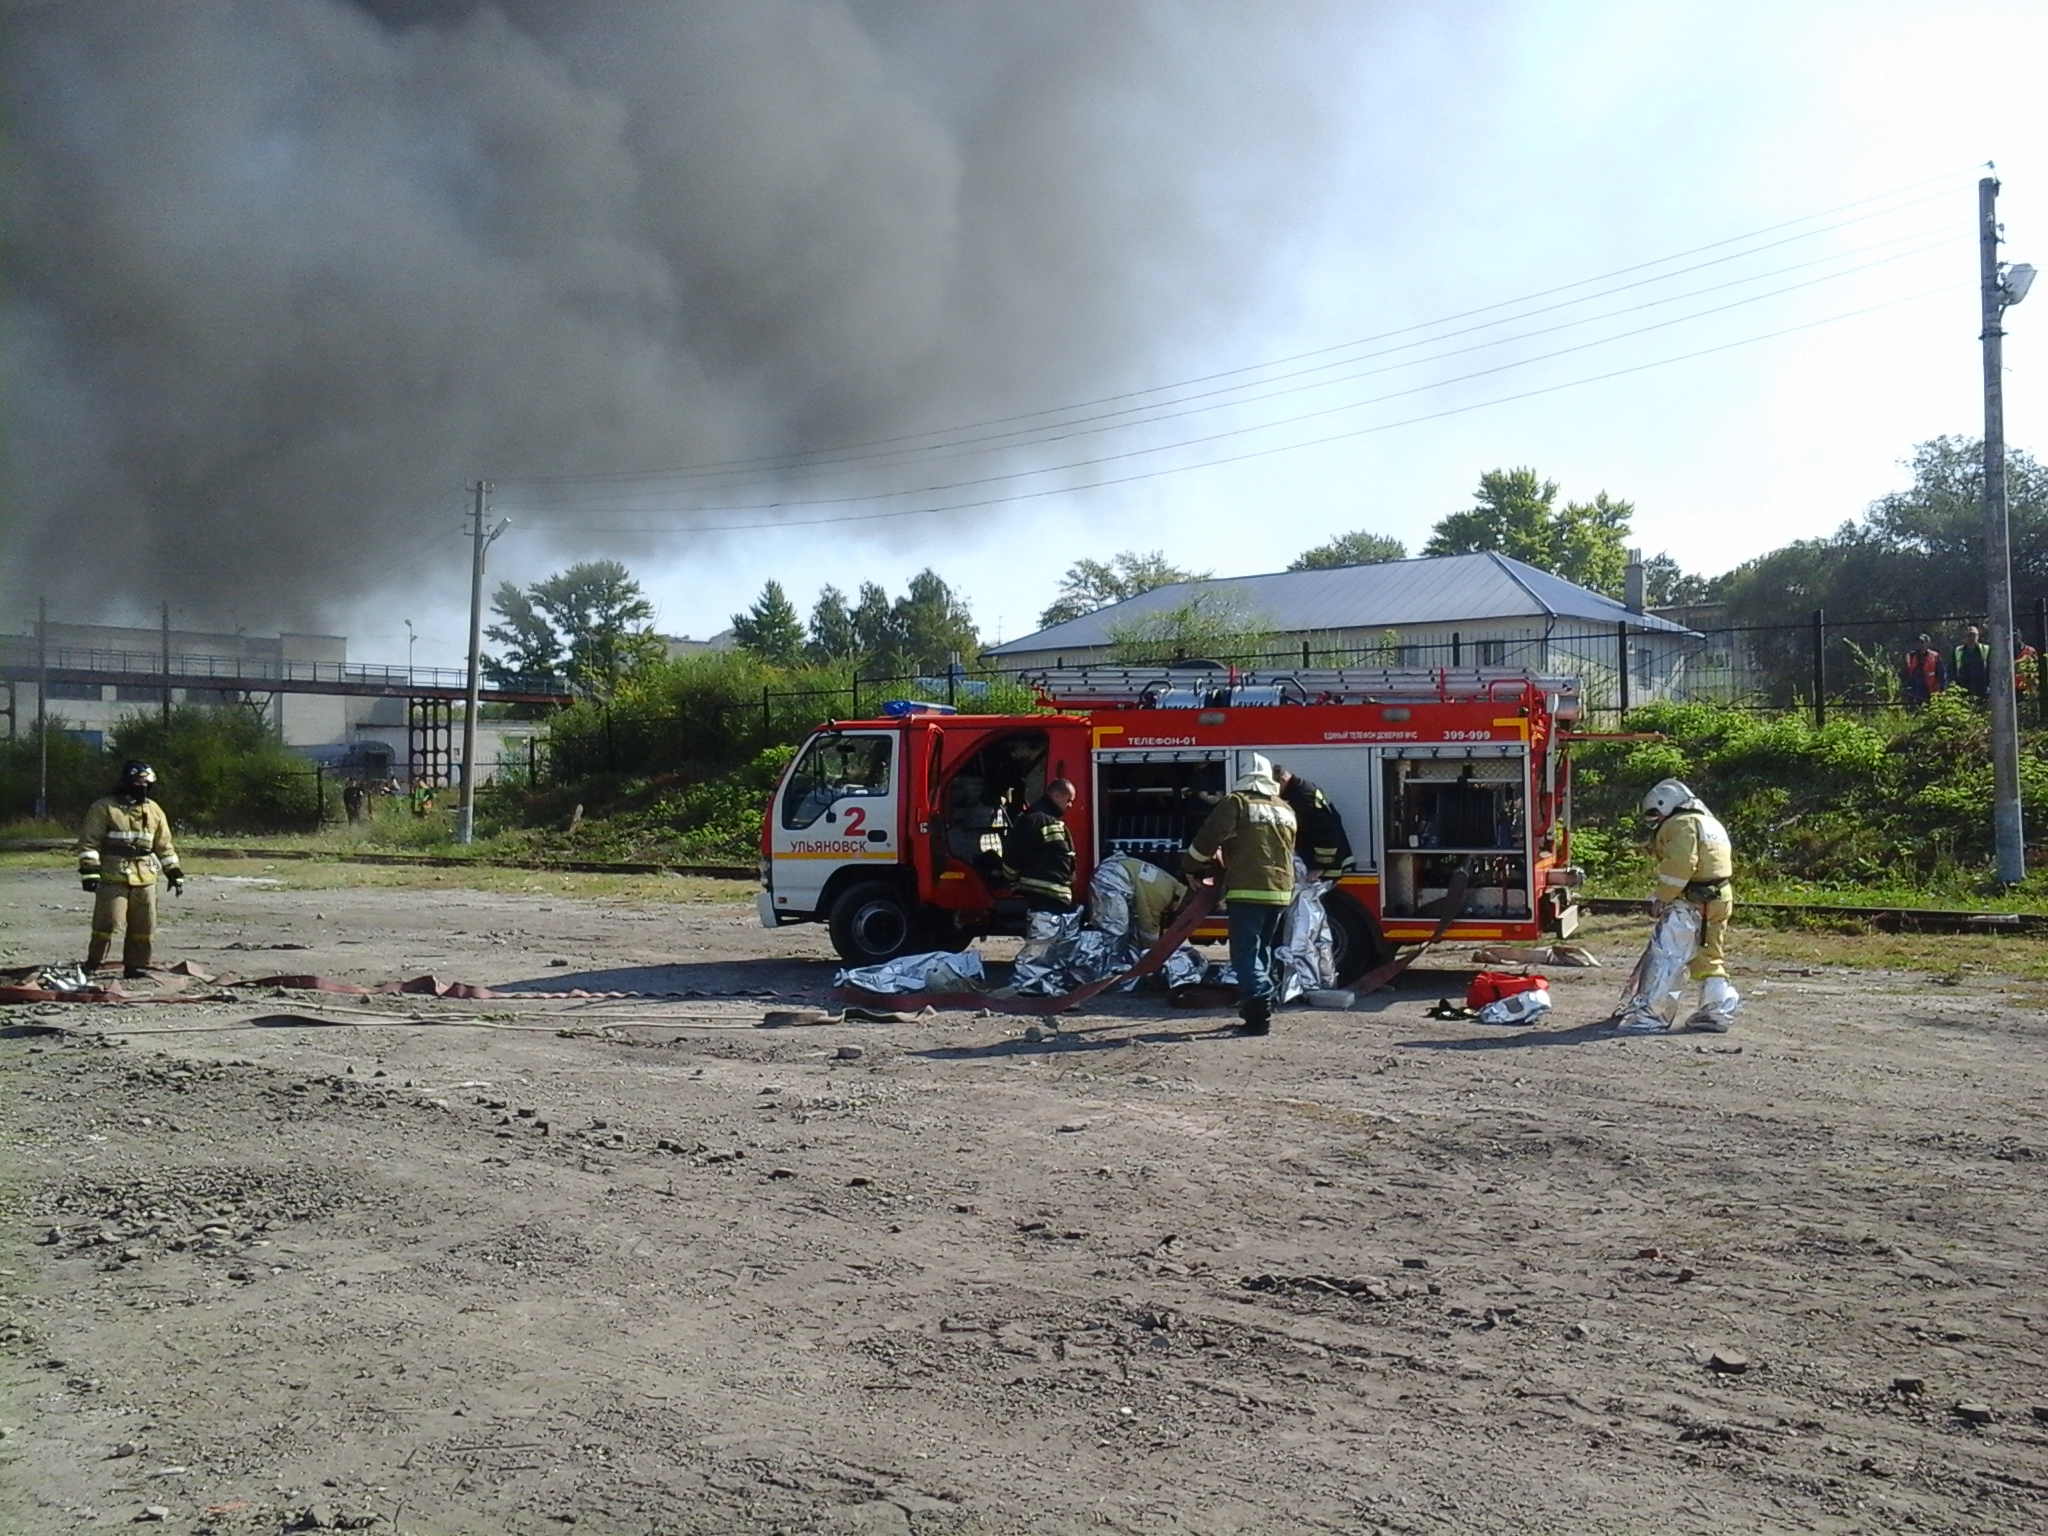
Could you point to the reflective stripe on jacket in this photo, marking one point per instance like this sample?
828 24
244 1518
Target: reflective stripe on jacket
1254 836
1691 849
1320 830
124 842
1038 854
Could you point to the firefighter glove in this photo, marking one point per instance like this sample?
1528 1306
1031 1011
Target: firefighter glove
90 884
177 878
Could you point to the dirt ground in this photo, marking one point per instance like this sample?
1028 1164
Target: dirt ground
636 1265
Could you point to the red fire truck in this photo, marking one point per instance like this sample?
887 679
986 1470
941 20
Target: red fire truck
884 828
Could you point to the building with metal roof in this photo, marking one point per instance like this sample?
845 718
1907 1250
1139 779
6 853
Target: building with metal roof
1447 611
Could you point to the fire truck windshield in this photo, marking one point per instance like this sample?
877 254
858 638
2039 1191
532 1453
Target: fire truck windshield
833 767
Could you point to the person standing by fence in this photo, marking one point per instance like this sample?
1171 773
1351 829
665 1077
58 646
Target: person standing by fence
1925 672
1972 666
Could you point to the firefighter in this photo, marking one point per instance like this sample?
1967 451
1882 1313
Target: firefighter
1324 847
1155 897
124 844
1038 852
1251 834
1695 865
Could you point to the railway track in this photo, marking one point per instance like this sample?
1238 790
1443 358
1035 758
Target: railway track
1884 919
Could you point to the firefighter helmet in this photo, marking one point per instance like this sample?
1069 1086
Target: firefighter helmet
1257 779
1666 797
137 775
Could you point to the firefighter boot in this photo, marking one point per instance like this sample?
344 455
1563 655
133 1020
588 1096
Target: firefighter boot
1718 1002
1257 1014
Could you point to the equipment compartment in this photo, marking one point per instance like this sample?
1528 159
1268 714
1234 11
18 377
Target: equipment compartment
1153 803
1447 807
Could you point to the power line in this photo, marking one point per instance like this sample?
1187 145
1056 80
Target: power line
1265 426
816 457
1260 453
1160 414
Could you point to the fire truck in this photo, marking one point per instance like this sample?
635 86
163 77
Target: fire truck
887 829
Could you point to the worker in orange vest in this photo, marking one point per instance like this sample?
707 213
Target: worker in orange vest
1926 672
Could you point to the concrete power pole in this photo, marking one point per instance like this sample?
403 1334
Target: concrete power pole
465 825
167 666
42 708
2000 292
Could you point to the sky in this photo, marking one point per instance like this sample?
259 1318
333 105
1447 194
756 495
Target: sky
1102 204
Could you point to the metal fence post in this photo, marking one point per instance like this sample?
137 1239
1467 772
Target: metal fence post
2041 654
1820 668
1621 646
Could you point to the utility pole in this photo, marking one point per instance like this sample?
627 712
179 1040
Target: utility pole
480 540
42 708
2001 290
167 665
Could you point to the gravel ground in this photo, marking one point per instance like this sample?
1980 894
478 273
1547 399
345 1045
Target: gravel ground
555 1264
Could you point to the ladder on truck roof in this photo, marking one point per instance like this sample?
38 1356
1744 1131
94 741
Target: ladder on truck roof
1218 687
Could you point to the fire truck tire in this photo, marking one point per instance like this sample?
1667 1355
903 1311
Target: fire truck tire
874 921
1354 937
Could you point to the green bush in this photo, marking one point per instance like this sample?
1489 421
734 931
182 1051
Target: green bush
221 770
1873 800
78 775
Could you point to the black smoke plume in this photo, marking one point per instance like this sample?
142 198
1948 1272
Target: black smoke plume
280 276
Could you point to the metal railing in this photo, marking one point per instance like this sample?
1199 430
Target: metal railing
184 668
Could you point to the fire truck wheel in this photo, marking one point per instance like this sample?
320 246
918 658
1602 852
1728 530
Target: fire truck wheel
1354 938
874 921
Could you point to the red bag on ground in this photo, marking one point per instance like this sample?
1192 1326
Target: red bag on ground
1492 986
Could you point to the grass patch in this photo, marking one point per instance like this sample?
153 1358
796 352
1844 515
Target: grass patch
1755 948
322 875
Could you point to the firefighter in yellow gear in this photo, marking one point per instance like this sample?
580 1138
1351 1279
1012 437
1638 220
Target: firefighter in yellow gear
1696 864
1250 835
1155 896
122 848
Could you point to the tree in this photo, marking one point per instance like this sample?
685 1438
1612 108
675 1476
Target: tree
1355 548
770 629
832 636
1516 515
874 632
1917 554
930 625
534 650
591 621
1208 624
1667 585
1092 584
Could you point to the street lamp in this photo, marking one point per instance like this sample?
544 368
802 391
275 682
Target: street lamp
2003 287
411 640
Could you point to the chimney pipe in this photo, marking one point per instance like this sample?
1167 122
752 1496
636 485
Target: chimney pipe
1632 583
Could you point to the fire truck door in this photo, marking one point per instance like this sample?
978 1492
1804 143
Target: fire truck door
837 807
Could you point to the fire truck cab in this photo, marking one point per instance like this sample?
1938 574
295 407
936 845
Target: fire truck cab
890 830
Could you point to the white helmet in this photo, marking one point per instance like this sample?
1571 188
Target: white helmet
1257 779
1666 797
